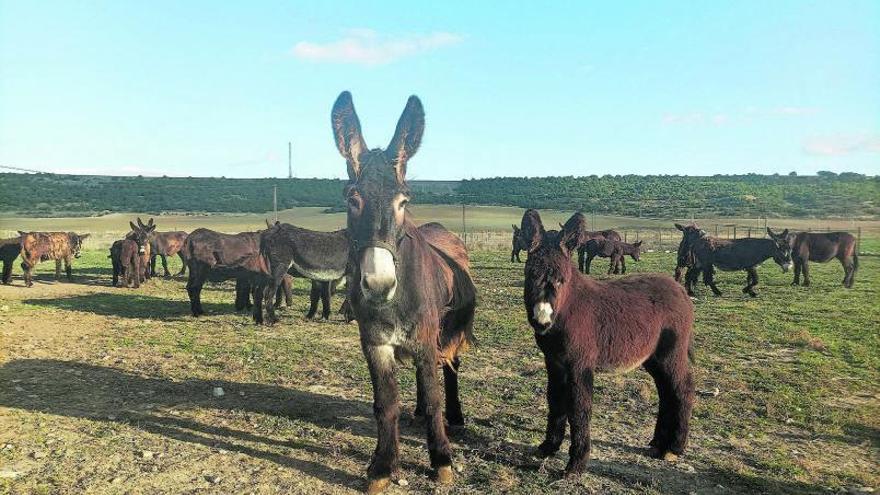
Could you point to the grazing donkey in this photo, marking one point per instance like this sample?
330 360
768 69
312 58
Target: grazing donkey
321 257
822 248
732 255
517 245
616 250
9 250
164 244
42 246
584 326
685 258
412 293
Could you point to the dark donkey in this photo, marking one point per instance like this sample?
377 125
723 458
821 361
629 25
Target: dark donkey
616 250
684 259
9 250
584 326
412 292
127 255
577 224
321 257
517 245
214 256
822 248
164 244
733 255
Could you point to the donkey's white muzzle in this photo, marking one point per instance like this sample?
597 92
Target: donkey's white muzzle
378 274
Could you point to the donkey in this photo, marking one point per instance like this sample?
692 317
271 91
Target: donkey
577 223
142 234
9 250
517 245
216 257
319 256
164 244
583 326
822 248
126 259
732 255
412 293
616 250
42 246
685 259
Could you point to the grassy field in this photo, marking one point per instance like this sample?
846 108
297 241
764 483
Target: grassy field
106 390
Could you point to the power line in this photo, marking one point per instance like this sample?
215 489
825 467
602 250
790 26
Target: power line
8 167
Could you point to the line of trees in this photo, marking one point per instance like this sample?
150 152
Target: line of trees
823 195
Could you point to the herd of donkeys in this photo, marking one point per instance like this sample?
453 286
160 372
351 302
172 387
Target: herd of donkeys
409 287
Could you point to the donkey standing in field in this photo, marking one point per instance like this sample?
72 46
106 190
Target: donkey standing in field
217 257
164 244
142 234
126 260
684 259
42 246
517 245
9 250
412 293
822 248
584 326
733 255
321 257
577 224
616 250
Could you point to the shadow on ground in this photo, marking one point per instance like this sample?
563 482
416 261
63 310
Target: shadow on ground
108 394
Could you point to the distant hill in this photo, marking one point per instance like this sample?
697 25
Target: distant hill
824 195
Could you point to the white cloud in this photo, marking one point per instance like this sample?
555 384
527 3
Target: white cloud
367 47
842 144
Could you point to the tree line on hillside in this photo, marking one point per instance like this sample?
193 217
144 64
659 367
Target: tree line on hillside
823 195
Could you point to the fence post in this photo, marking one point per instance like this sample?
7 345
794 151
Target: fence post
734 231
750 232
624 236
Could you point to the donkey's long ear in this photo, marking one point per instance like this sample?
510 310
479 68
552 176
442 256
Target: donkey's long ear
407 137
770 232
133 226
84 236
679 227
150 222
347 131
141 224
532 229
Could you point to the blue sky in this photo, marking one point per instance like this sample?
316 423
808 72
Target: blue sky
205 88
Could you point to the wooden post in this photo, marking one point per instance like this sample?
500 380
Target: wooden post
463 224
859 239
275 201
734 231
750 232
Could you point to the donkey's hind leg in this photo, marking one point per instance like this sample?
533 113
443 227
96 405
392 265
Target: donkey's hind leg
670 369
454 415
709 279
751 282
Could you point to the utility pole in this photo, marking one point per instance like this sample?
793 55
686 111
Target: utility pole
275 201
289 160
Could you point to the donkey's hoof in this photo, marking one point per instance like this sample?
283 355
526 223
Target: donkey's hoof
444 475
669 456
378 486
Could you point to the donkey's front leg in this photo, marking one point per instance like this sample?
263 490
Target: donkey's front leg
580 408
438 443
557 403
386 408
